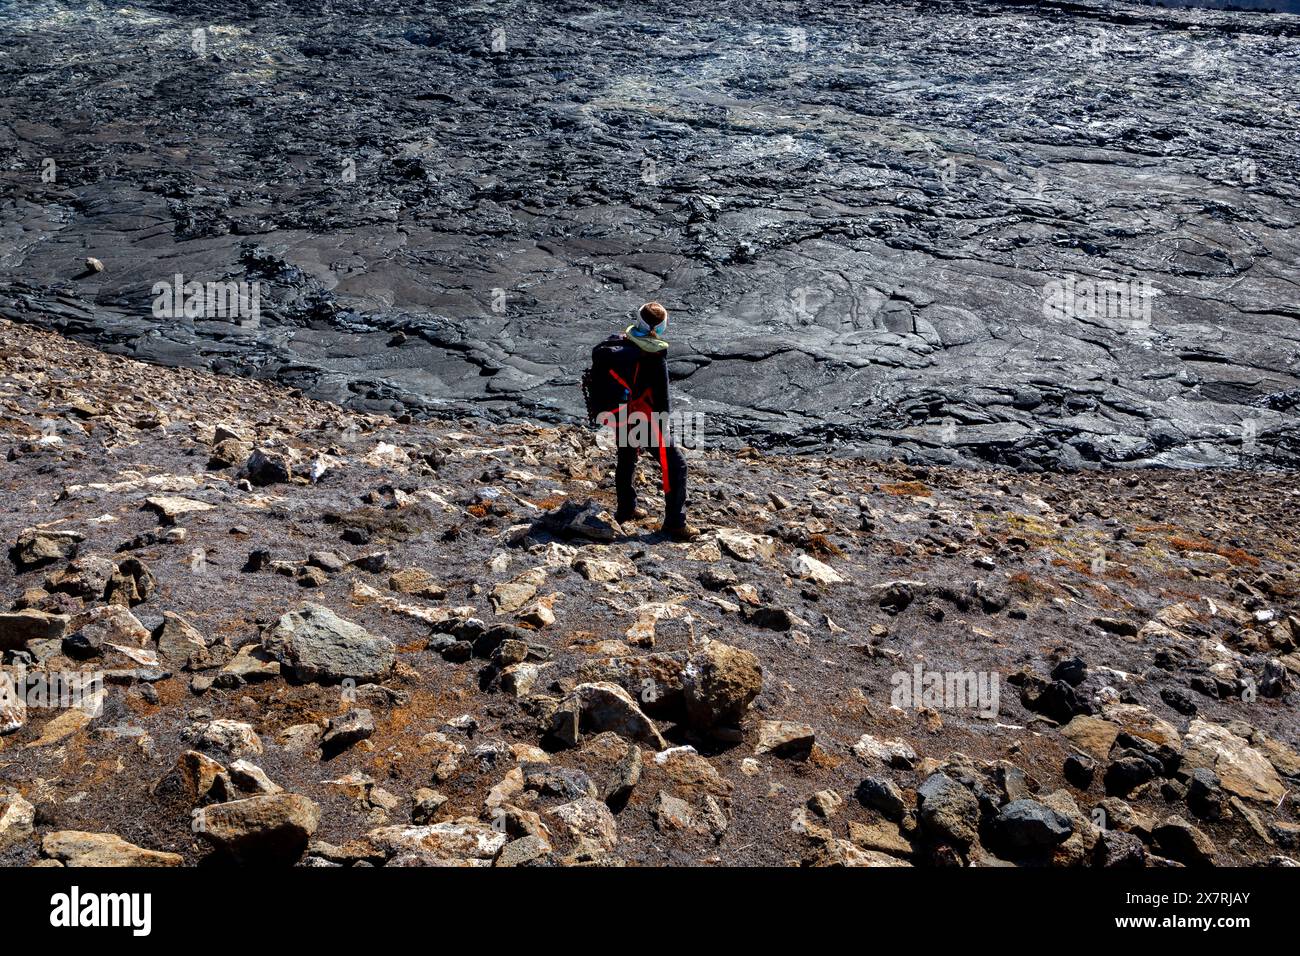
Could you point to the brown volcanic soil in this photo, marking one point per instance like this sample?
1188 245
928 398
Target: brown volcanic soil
90 436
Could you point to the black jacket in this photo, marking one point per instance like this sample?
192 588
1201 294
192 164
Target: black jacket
651 375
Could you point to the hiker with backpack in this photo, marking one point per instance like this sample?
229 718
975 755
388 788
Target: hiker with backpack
627 388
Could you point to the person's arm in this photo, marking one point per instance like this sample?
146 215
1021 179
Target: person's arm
662 405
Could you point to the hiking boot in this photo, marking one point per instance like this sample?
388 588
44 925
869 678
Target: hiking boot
636 514
682 532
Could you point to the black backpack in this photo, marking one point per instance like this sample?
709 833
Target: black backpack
612 377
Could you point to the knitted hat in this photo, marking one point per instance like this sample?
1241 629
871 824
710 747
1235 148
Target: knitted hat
652 317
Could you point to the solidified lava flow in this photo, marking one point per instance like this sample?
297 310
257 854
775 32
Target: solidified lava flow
1045 235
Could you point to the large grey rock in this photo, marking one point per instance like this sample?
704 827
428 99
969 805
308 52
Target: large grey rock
719 683
948 811
315 644
36 547
1030 826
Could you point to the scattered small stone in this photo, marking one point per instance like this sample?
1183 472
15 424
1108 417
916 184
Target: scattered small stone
17 820
1117 849
79 848
825 803
263 829
172 507
347 729
881 794
601 706
265 467
427 803
784 738
252 779
1080 770
327 561
881 837
1205 796
1072 670
417 582
892 753
669 813
227 736
1032 827
1180 841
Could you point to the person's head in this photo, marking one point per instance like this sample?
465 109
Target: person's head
654 317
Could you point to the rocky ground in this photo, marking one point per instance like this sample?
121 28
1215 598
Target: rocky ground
338 638
853 210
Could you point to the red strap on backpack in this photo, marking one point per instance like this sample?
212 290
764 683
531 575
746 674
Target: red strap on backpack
655 434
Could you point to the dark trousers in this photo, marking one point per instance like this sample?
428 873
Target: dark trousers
674 497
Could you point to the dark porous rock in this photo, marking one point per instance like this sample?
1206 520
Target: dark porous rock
772 618
1179 700
1031 827
1072 670
1079 770
1119 628
881 794
1181 841
265 467
949 812
1205 796
258 559
1057 700
1118 849
1128 770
